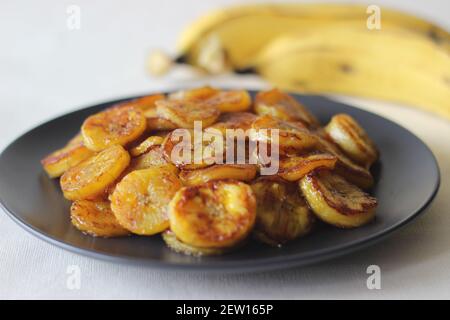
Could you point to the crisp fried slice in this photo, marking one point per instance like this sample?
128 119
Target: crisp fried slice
95 218
234 121
336 201
153 157
290 135
216 214
145 145
282 213
282 106
230 101
145 103
116 125
241 172
92 176
185 112
352 139
140 199
155 122
201 93
294 168
345 167
180 247
190 149
59 161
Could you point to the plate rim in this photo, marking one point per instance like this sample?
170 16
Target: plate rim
247 265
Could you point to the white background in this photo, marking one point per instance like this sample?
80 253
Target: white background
46 70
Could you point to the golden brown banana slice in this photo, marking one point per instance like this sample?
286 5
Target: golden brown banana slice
76 140
155 122
336 201
140 199
189 149
201 93
294 168
345 167
91 177
145 145
153 157
352 139
185 112
282 106
282 214
290 135
117 125
59 161
240 172
96 218
216 214
146 102
234 121
230 101
180 247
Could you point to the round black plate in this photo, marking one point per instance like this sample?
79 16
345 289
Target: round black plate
407 180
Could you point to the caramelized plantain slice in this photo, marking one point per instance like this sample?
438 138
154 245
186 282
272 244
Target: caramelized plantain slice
230 101
145 145
117 125
186 157
294 168
155 122
282 106
95 218
185 112
216 214
140 199
240 172
234 120
145 103
345 167
336 201
201 93
59 161
290 135
282 213
180 247
153 157
352 139
91 177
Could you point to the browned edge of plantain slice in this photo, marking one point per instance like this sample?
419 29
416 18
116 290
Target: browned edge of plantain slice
352 139
185 112
294 168
282 106
216 214
240 172
282 213
92 177
336 201
94 217
116 125
59 161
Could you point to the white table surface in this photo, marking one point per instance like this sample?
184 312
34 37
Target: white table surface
47 70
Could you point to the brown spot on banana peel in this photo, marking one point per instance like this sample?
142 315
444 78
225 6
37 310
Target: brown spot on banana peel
346 68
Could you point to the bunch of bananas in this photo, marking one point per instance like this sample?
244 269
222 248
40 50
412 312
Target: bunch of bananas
317 48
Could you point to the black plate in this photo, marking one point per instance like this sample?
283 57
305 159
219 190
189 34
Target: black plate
407 181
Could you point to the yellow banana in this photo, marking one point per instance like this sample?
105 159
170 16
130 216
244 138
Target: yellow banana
385 65
326 48
242 31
